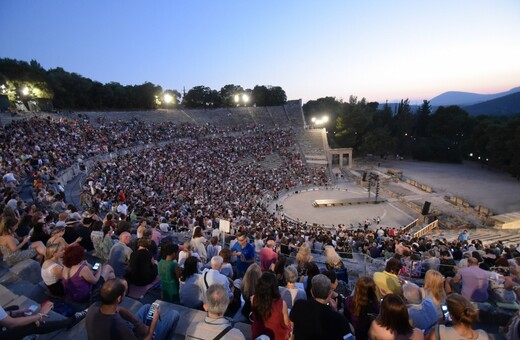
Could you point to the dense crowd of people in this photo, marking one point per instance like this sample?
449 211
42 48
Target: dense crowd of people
152 219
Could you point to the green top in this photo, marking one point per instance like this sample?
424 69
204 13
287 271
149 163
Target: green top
169 282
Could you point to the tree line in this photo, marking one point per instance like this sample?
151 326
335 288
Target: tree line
21 80
448 134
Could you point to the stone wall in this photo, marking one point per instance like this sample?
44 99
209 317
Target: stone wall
416 184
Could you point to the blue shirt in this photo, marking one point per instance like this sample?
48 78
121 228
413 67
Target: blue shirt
424 315
249 253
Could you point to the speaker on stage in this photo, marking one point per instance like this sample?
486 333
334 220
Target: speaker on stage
426 208
364 176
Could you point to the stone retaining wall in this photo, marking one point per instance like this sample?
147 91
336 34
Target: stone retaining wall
416 184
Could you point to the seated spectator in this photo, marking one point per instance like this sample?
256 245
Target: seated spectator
78 278
104 244
11 248
141 228
212 275
310 271
215 325
248 285
57 237
119 256
474 282
315 318
269 310
16 325
303 257
169 273
52 269
463 315
84 230
393 321
213 248
422 312
40 233
433 290
447 264
106 319
362 307
290 293
339 288
142 268
279 270
268 256
190 293
388 282
335 262
227 268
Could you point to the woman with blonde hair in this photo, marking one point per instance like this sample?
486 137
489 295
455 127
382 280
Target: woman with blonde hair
52 269
303 257
433 289
463 315
247 286
12 249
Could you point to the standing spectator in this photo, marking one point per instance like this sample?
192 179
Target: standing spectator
142 267
245 253
393 321
169 272
119 256
362 307
463 236
270 313
215 325
268 256
107 320
315 318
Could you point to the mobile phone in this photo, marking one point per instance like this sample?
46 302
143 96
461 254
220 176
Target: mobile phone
446 313
96 266
32 310
349 336
151 313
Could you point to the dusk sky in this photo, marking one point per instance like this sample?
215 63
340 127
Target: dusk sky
381 50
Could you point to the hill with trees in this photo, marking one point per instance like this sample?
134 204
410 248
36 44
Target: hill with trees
29 81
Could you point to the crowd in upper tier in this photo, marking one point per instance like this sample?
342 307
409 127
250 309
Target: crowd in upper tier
152 220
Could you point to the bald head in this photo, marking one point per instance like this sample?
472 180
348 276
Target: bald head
112 290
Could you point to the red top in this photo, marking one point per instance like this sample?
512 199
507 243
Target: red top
274 325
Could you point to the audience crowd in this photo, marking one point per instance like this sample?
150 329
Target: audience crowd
151 219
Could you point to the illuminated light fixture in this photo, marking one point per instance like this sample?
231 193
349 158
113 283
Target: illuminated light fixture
245 98
25 91
168 98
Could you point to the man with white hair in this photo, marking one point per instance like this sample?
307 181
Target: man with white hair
215 325
268 256
213 276
119 256
422 313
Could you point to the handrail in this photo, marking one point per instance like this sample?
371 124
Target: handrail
426 229
409 226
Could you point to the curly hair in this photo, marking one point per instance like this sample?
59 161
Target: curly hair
266 292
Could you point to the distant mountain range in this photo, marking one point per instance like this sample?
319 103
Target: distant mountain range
503 103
